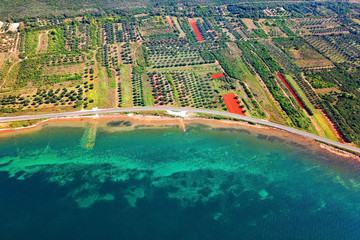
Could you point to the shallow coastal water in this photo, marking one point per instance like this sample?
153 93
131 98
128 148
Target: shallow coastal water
98 182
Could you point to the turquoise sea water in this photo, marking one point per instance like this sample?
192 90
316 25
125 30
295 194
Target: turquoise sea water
56 183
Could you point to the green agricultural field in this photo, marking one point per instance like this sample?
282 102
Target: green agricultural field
31 42
144 57
126 85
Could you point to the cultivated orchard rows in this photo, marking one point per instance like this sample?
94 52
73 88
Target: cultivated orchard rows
286 63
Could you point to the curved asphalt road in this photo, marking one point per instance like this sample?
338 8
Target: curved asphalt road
225 114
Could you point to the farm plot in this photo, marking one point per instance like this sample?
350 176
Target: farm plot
155 28
269 28
194 90
138 89
43 42
276 12
32 70
125 80
325 48
281 77
119 33
31 42
168 18
72 41
344 46
265 67
284 27
7 42
60 59
205 27
126 54
320 26
119 91
195 29
68 69
105 88
127 32
110 56
56 40
224 25
183 88
259 98
243 30
75 36
70 96
249 23
233 104
327 31
162 88
309 23
218 75
178 27
108 35
303 55
179 54
83 33
3 57
287 63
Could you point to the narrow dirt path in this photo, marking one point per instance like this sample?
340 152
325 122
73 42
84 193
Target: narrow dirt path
42 35
13 49
7 74
39 43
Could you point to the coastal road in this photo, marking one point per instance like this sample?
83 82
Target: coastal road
192 110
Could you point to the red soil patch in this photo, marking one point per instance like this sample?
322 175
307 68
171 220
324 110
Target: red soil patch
170 21
232 104
219 75
196 30
291 90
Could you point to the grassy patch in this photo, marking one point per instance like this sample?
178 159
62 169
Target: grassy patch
177 25
171 80
323 123
11 78
26 123
106 91
243 73
126 86
56 40
31 42
148 97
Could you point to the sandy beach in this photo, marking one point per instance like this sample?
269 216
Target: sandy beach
117 122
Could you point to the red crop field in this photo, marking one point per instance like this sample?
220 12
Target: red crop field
196 30
232 104
170 21
290 89
219 75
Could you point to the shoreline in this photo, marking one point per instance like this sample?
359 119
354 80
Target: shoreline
161 122
213 114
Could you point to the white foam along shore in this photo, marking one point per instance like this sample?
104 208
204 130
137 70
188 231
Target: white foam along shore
175 113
